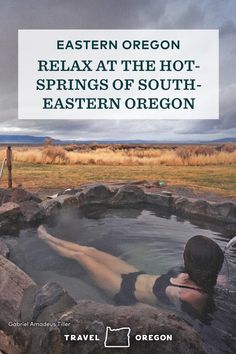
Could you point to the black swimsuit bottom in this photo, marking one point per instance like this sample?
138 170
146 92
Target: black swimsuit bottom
126 294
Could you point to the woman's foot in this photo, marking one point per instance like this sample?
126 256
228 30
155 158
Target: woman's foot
42 233
45 236
51 240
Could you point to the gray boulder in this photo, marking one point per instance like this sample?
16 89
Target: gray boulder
51 208
15 216
67 200
13 283
10 218
4 250
19 195
22 300
160 200
32 213
95 194
89 317
128 195
45 302
70 191
227 211
222 212
10 345
5 195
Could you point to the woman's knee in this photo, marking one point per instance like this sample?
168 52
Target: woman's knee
91 251
88 251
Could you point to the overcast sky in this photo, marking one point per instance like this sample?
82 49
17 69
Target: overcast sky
118 14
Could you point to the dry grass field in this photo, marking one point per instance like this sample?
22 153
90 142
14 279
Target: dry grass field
207 168
127 155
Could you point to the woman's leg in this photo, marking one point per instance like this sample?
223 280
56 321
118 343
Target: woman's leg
45 236
104 278
113 263
62 251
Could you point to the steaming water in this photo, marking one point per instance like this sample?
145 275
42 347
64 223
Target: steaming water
151 242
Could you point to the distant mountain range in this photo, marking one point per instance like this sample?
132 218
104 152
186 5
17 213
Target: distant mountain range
25 139
37 140
225 140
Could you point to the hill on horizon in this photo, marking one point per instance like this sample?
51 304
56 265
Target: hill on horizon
30 139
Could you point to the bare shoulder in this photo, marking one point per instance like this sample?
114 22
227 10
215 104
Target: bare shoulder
185 291
195 298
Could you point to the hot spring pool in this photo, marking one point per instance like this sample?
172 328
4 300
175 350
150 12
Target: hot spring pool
150 241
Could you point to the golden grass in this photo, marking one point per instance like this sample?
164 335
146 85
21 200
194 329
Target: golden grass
59 167
219 179
198 155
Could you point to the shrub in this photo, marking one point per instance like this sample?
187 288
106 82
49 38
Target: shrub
53 154
229 147
48 142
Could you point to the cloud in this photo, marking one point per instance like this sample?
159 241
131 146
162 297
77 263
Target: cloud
107 14
228 28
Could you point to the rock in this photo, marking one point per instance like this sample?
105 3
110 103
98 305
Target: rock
10 211
5 195
67 200
167 193
191 206
90 317
128 195
19 195
45 302
32 213
13 282
140 183
159 199
4 250
95 194
10 218
226 211
232 213
51 208
10 345
70 191
221 212
26 211
46 296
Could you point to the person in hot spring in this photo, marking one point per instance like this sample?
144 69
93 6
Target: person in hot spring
190 286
